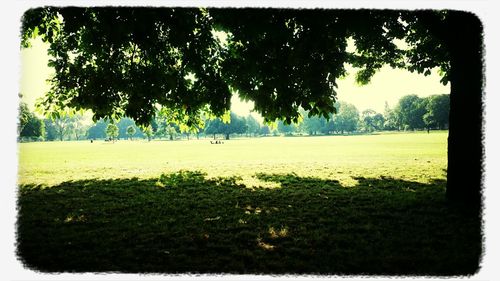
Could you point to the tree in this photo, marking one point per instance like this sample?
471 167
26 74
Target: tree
148 131
50 130
236 125
62 126
264 130
378 121
253 126
66 125
367 122
371 120
131 131
412 109
172 132
329 126
313 124
98 130
34 130
392 118
30 126
286 129
24 116
112 131
438 111
452 41
347 117
123 124
286 60
78 126
214 127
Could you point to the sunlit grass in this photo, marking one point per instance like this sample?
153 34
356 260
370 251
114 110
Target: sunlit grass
411 156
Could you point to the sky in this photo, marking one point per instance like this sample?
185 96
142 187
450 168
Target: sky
388 85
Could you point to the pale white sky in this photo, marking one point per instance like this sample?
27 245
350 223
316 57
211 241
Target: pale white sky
387 85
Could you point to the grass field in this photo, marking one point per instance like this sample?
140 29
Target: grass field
367 204
414 156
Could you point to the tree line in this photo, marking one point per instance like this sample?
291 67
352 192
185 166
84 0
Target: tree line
410 113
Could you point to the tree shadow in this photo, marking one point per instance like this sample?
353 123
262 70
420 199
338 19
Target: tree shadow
185 222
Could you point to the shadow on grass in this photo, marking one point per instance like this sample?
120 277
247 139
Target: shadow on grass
185 222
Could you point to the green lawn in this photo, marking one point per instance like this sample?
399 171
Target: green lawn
413 156
370 204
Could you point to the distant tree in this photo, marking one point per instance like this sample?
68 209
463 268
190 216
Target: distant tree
264 130
199 131
98 130
214 127
412 109
437 111
392 118
166 129
112 131
253 126
311 124
236 125
24 115
286 129
347 117
148 131
367 120
130 131
30 126
171 131
329 126
50 130
371 120
78 126
34 129
62 125
123 125
378 121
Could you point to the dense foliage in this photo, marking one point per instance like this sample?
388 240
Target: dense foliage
30 126
125 61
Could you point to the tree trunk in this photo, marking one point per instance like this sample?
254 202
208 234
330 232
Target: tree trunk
465 150
227 136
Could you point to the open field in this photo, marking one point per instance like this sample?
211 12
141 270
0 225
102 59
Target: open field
413 156
328 205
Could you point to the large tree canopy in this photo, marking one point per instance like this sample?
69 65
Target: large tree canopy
124 61
127 61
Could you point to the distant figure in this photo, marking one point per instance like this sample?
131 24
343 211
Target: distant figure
91 140
211 142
